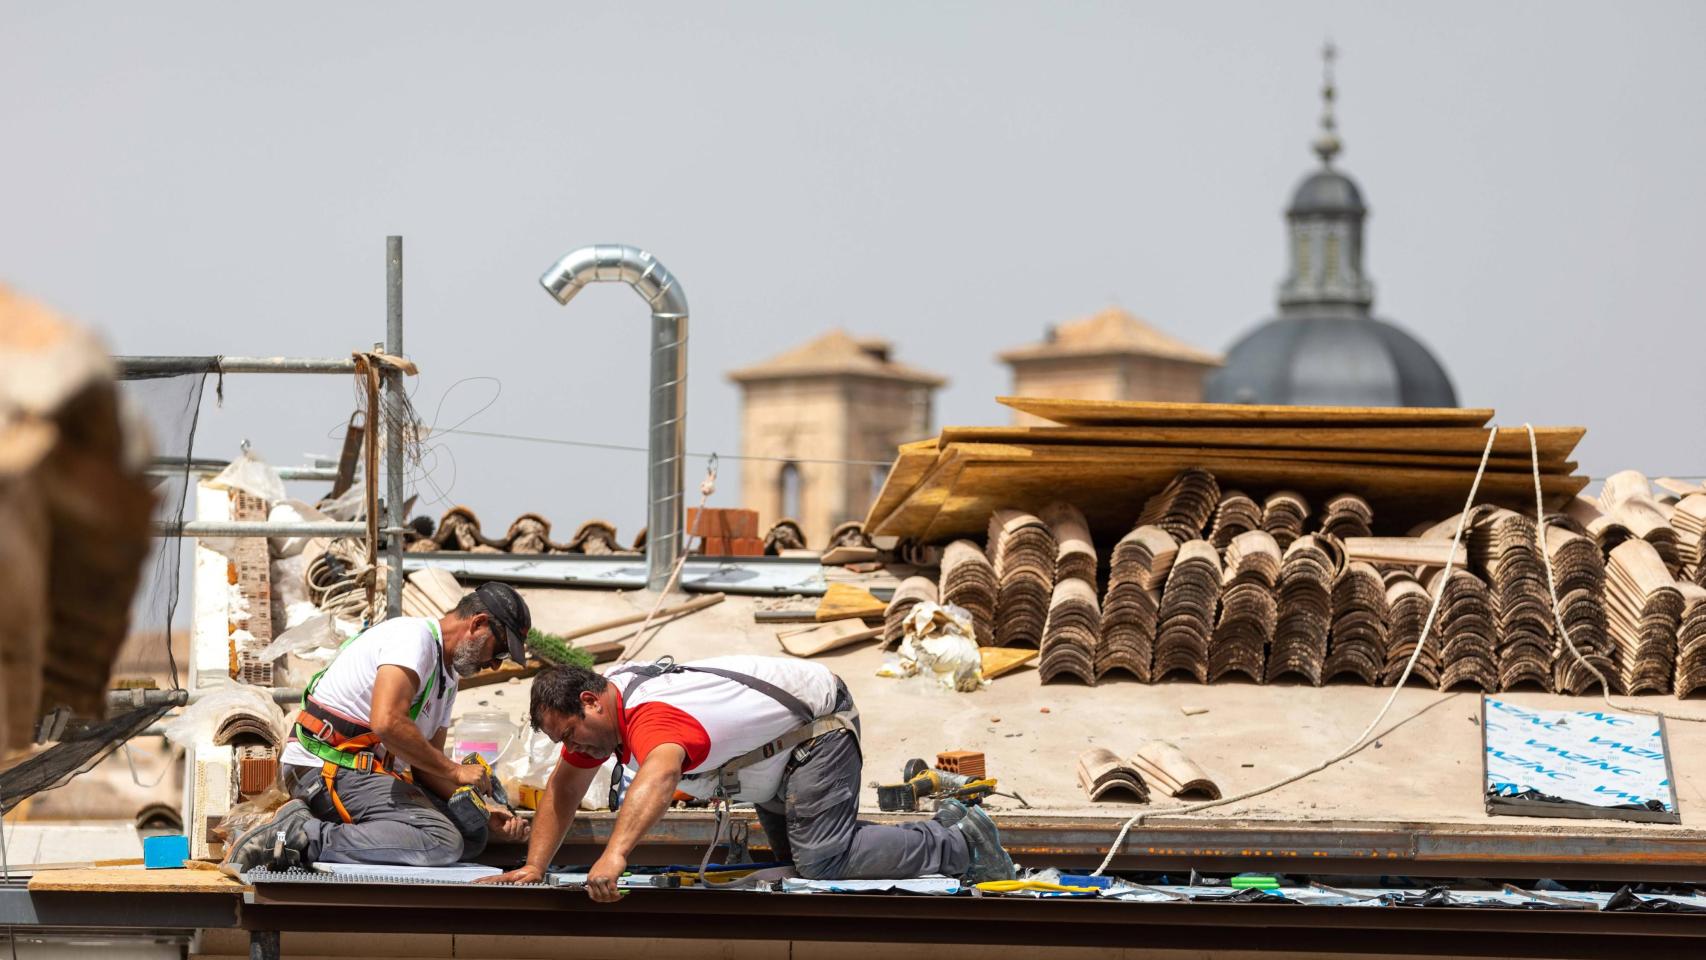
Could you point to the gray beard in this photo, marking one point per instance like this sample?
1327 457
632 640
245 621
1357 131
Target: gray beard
465 662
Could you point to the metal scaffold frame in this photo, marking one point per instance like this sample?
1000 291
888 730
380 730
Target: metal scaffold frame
395 404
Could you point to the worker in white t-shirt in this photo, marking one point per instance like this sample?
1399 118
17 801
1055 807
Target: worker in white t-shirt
366 767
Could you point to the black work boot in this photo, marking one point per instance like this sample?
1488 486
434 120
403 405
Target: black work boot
279 844
983 841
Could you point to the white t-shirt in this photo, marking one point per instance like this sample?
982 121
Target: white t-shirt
347 686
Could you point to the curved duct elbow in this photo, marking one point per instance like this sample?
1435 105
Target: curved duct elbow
612 263
666 443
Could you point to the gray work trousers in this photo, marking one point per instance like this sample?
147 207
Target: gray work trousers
814 821
393 821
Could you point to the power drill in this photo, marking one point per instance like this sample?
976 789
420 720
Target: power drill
468 809
920 780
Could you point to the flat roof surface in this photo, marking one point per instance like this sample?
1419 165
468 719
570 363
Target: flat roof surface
1424 769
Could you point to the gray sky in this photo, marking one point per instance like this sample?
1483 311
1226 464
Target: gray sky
219 178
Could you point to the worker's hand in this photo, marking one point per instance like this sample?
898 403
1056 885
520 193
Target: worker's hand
506 827
473 775
601 882
526 874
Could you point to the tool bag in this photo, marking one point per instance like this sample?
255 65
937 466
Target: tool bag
728 775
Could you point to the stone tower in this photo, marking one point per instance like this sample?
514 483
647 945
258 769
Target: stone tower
827 417
1109 356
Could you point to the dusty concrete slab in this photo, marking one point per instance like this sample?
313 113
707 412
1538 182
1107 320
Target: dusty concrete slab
1425 768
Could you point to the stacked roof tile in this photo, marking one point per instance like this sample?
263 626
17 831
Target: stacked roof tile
1305 610
1691 640
1248 607
1069 638
1022 552
1467 635
1132 605
1407 603
1188 612
1283 516
968 581
911 592
1184 506
1236 514
1578 572
1356 644
1643 610
1347 515
1076 556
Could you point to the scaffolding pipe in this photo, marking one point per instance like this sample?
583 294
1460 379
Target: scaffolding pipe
176 466
261 528
667 423
141 368
394 415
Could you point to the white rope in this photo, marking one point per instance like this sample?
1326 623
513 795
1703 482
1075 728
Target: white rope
1360 741
1552 594
707 487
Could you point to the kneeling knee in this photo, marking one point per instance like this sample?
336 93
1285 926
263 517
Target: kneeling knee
817 869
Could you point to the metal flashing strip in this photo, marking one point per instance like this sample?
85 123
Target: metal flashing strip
760 576
372 878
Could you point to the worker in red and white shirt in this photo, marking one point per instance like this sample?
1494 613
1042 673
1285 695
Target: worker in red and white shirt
782 734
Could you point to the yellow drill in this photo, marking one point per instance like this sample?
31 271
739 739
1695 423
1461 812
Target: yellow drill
468 808
925 781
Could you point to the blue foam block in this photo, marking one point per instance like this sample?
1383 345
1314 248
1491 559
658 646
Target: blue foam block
163 853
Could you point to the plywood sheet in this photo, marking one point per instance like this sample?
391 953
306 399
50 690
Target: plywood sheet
913 462
134 880
1138 412
1553 443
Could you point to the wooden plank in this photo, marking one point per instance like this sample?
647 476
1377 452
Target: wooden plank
1461 462
1139 412
134 880
1554 443
912 461
844 601
925 500
1405 551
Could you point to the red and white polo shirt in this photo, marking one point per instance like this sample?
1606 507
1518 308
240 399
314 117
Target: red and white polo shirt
715 719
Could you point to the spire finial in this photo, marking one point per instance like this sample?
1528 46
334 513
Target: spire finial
1327 145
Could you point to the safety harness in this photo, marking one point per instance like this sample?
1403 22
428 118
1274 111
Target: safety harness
811 725
810 728
341 741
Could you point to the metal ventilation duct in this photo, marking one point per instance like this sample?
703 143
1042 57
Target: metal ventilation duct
666 442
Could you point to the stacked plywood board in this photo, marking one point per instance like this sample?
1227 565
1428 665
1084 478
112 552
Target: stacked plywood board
1121 463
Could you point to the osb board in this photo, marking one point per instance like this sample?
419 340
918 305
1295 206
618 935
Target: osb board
1139 412
1554 443
134 880
1098 452
1111 492
913 462
925 498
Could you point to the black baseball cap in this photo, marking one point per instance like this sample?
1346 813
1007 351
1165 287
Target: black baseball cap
510 616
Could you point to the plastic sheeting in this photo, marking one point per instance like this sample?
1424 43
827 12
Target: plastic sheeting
1576 763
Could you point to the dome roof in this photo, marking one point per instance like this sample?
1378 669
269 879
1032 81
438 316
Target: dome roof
1332 361
1327 191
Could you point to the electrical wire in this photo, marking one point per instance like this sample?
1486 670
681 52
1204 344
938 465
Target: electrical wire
1362 739
630 448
